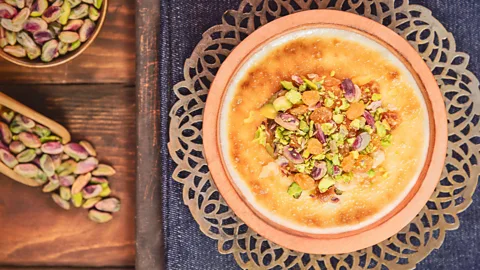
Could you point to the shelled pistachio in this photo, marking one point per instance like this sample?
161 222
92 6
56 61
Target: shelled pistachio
71 172
46 29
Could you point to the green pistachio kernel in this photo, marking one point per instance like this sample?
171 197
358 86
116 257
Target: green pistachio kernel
294 190
326 183
302 87
268 111
376 97
294 97
345 105
336 160
355 154
387 140
381 130
355 124
287 85
350 141
282 104
338 118
371 173
310 84
328 128
304 126
328 102
261 135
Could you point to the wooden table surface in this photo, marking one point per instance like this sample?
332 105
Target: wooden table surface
94 98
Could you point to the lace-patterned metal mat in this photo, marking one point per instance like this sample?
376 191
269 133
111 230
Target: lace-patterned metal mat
413 243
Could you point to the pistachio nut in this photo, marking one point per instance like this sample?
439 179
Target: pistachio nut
77 199
52 148
99 217
16 147
26 170
86 165
46 163
65 193
5 133
17 50
104 170
7 158
29 140
67 180
80 183
75 151
60 201
51 186
26 156
110 205
91 202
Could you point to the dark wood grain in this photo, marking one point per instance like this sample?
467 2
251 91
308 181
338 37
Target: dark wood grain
150 247
110 58
36 232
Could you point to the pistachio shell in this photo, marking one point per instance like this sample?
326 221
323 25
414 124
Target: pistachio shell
60 201
74 3
11 37
74 46
3 37
51 14
73 25
26 170
16 147
65 13
86 166
97 3
7 158
7 24
76 151
41 131
104 170
79 12
67 180
21 17
46 163
80 183
7 11
99 217
17 50
66 168
90 202
111 205
52 148
68 37
5 133
91 191
33 25
30 140
26 156
93 13
65 193
38 8
49 50
51 186
43 36
86 30
77 199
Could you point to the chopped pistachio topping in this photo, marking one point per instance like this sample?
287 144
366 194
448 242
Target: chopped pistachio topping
329 139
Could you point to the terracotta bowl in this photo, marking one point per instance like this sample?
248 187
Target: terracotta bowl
62 59
390 223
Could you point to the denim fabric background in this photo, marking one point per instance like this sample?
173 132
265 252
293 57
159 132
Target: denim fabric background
183 22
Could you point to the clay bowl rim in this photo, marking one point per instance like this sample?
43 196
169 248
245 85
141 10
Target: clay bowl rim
62 59
391 223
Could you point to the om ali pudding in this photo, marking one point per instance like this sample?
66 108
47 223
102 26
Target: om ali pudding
323 130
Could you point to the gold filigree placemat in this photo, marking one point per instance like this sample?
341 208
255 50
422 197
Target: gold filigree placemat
412 244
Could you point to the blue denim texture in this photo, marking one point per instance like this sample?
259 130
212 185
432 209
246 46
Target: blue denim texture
183 22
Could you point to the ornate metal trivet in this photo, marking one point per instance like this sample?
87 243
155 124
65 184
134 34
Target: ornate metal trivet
425 233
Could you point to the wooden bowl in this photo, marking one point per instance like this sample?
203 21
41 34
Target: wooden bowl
62 59
390 223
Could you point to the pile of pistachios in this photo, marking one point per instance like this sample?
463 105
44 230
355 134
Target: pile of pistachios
71 172
46 29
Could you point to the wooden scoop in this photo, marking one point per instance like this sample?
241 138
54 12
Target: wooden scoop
56 128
